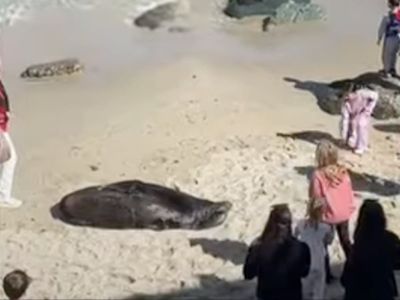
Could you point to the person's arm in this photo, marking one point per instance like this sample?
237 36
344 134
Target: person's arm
315 188
344 121
250 268
329 235
344 279
306 261
372 100
395 242
382 29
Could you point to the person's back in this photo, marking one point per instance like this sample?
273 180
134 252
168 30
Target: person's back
279 265
368 272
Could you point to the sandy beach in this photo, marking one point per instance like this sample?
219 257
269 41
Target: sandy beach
204 110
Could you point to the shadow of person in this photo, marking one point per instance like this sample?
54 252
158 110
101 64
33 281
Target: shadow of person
318 89
363 182
213 288
389 128
210 287
313 137
234 251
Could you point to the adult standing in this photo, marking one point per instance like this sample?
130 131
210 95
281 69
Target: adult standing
389 31
8 167
278 259
368 271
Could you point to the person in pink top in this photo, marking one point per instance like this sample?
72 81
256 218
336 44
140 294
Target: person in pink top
7 168
331 183
357 109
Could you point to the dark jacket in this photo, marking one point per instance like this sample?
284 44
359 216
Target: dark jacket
370 276
279 270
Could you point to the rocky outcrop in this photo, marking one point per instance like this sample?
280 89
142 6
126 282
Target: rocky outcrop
280 11
52 69
387 107
166 12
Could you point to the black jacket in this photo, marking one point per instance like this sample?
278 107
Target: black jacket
371 276
279 271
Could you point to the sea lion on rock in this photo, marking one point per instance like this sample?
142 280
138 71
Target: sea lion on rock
138 205
52 69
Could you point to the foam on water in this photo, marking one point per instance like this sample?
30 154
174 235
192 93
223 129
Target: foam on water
12 11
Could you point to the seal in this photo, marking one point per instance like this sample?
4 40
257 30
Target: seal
138 205
52 69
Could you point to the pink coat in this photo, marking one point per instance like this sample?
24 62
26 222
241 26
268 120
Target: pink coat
338 195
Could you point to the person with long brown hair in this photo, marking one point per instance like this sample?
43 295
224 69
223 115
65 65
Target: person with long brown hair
368 271
331 182
278 259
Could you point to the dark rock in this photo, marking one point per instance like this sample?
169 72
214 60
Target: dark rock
154 18
387 107
56 68
280 11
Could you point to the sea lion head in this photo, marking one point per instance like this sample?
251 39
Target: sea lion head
214 215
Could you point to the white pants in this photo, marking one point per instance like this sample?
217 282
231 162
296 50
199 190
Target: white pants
314 285
7 171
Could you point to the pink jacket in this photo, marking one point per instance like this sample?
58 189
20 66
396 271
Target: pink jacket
338 195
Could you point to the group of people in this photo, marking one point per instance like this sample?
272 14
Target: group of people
293 264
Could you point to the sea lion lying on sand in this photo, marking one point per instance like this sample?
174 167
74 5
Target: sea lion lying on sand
55 68
135 204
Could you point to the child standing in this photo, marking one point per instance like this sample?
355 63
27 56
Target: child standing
331 182
389 31
357 109
317 235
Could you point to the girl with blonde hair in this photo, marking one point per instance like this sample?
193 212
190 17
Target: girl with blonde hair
331 182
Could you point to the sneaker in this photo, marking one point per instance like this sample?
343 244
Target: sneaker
12 203
359 151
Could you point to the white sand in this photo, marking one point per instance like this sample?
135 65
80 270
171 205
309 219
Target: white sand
137 112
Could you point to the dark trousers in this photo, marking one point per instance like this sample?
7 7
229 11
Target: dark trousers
344 238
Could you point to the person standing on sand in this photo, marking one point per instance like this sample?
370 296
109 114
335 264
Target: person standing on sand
317 235
368 271
357 109
8 167
331 183
389 31
278 259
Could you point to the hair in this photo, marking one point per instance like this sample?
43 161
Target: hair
277 233
370 232
371 220
326 154
279 224
315 209
15 284
393 3
327 160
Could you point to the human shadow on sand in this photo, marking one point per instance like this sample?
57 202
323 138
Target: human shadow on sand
388 128
318 89
322 89
211 287
363 182
313 137
234 251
